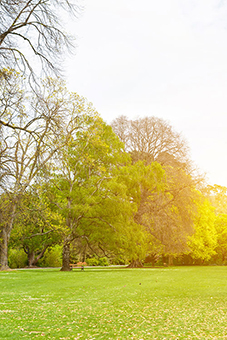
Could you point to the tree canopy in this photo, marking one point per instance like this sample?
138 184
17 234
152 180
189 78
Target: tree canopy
85 185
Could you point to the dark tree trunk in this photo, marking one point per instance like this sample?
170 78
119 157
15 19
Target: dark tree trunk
4 250
66 257
31 258
135 264
170 260
84 253
34 257
4 239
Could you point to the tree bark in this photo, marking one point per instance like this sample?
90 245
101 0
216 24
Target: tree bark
4 238
4 250
66 257
135 264
34 257
31 258
84 253
170 260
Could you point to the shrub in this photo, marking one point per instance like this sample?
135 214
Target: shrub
103 261
17 258
118 261
92 262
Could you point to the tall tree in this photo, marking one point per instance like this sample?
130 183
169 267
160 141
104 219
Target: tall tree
29 140
87 188
166 214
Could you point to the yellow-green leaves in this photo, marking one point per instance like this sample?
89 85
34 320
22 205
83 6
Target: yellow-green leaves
203 242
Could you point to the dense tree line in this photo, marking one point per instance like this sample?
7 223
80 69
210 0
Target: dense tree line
68 178
128 192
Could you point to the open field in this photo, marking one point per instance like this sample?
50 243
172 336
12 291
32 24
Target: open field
117 303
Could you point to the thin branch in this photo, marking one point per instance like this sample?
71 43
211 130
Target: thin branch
39 234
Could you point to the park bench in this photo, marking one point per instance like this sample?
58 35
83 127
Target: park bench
77 265
73 265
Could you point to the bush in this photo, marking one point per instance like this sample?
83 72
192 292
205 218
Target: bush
103 261
17 258
52 257
118 261
92 262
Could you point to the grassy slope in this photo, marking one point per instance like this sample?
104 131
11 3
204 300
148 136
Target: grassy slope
168 303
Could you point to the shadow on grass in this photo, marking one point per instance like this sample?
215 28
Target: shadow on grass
86 269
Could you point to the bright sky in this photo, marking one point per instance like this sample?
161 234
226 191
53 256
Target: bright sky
158 58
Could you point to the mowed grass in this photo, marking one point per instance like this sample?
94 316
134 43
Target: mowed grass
114 303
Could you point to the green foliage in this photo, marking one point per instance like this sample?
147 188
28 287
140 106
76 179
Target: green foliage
52 257
103 261
91 194
92 261
119 260
142 182
36 227
203 242
221 230
171 211
87 189
17 258
166 195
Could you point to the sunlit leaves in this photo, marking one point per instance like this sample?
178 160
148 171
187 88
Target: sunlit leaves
204 240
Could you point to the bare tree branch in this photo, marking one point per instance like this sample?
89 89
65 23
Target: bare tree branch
38 234
32 28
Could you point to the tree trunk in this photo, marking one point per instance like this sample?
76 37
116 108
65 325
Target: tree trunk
4 239
34 257
4 250
170 260
31 258
135 264
66 257
84 253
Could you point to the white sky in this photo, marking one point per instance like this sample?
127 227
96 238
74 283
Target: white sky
158 58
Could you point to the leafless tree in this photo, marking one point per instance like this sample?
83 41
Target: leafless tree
31 35
151 139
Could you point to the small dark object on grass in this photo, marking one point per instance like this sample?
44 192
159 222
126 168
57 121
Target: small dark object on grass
140 283
82 267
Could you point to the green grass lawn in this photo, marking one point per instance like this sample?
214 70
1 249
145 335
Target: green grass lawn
118 303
